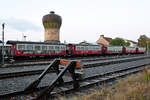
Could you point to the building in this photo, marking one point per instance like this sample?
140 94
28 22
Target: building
0 41
103 40
132 43
84 42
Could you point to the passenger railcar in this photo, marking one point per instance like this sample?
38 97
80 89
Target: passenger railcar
38 49
114 50
141 50
33 49
79 49
130 50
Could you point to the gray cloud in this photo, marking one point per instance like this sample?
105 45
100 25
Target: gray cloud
21 24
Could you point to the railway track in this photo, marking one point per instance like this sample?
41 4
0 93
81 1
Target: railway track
96 63
47 61
73 58
94 78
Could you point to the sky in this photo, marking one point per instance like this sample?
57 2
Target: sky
81 19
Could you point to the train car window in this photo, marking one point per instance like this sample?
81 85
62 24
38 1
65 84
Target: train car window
44 47
82 48
93 48
29 47
56 47
86 48
65 47
90 48
62 47
78 48
51 47
21 47
97 48
37 47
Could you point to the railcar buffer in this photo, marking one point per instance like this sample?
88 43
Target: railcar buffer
60 67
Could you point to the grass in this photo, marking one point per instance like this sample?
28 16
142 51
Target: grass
134 87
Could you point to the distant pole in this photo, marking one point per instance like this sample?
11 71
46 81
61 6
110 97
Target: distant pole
24 37
3 26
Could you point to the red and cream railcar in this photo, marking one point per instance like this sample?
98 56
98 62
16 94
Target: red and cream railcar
24 48
130 50
113 49
78 49
141 50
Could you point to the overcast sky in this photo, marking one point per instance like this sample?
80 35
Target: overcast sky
81 19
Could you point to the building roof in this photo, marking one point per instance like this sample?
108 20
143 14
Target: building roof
132 41
108 39
84 42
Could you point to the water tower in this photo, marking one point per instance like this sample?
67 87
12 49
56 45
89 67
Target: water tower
52 23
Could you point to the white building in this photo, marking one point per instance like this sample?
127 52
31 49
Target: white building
132 43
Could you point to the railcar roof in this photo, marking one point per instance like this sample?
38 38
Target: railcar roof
112 46
6 45
31 42
86 44
130 46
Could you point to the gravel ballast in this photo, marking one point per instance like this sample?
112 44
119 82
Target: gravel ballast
42 67
19 83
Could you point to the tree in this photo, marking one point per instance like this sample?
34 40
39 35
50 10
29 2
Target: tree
143 40
117 42
127 44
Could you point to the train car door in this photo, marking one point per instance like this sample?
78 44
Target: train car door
124 50
137 50
70 49
103 50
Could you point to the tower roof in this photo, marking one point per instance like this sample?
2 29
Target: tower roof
52 20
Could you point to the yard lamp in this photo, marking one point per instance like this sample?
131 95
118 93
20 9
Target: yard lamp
3 26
